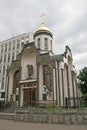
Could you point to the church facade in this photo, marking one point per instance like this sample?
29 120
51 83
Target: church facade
39 76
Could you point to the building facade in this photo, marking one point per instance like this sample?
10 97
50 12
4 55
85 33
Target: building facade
40 76
9 51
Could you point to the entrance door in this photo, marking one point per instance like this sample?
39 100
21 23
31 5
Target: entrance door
29 96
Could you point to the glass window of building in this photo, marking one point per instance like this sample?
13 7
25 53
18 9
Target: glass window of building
7 66
2 86
46 43
5 47
13 55
3 95
17 53
18 44
0 59
4 58
1 48
3 70
9 46
8 57
51 44
0 70
13 44
39 43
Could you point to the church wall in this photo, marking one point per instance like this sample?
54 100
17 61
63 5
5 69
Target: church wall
41 41
43 89
10 88
42 45
60 77
54 84
41 86
68 62
21 96
65 66
75 87
65 82
29 59
40 82
57 82
70 77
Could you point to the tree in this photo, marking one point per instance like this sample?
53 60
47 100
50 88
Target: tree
82 82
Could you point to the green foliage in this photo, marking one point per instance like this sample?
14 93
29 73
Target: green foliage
84 101
83 80
58 107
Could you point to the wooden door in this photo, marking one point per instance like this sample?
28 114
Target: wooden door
29 95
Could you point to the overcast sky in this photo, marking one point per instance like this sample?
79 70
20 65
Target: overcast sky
67 20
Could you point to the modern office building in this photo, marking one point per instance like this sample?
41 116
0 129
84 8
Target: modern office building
9 51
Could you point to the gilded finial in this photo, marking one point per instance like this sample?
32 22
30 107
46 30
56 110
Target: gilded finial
42 18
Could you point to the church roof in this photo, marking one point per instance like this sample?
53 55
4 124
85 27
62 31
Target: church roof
57 57
43 28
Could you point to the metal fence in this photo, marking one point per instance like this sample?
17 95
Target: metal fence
75 102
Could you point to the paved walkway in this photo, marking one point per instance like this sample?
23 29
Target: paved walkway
4 113
12 125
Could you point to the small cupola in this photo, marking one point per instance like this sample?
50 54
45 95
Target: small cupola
43 30
43 38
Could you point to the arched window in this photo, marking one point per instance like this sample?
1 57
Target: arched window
51 44
38 43
46 43
47 77
16 80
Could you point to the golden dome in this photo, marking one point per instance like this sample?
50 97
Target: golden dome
43 28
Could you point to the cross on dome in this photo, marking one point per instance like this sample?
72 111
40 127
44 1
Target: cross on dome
42 18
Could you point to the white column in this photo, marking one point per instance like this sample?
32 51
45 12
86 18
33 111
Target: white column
21 95
54 89
57 90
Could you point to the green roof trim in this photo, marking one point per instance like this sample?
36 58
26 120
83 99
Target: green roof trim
57 57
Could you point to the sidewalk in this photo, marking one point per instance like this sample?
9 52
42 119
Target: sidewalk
7 116
12 125
4 113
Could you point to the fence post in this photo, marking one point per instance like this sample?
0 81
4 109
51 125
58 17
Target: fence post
66 102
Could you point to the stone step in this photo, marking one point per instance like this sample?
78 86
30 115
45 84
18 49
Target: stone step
7 116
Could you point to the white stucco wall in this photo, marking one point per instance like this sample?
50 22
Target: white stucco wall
28 59
40 82
10 88
21 96
42 45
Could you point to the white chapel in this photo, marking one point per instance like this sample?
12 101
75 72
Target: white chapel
38 76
